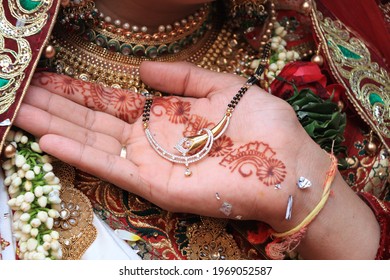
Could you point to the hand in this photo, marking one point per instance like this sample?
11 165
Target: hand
264 144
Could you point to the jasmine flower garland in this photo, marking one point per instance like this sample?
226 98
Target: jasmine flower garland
34 192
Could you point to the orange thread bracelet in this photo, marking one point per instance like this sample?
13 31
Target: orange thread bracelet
289 240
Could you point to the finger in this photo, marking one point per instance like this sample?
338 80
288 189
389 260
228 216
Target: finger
39 123
77 114
106 166
184 78
121 103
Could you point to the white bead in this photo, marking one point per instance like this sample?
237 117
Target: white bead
126 26
107 19
135 28
144 29
161 28
117 22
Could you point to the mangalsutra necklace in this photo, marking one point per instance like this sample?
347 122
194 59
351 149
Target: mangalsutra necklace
194 148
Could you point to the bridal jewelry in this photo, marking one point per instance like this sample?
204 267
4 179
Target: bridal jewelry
194 148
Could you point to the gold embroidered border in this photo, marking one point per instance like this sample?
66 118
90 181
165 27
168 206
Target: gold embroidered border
367 84
13 63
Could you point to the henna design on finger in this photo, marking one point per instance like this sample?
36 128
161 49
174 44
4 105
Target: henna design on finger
178 111
123 104
128 106
256 158
65 84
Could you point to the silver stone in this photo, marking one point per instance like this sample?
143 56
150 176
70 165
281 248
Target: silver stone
226 209
303 183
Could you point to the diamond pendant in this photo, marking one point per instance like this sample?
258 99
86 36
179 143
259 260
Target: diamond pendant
188 172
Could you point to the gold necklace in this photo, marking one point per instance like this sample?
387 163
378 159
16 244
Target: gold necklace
220 49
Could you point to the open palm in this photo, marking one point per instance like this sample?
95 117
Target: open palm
256 153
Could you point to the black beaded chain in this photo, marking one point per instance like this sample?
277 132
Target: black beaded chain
232 105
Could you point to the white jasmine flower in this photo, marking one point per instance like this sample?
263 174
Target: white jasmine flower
282 56
13 190
38 191
55 235
25 217
7 165
29 197
280 64
28 186
47 167
23 247
16 216
30 175
32 244
26 228
42 201
53 213
42 216
18 136
57 254
279 31
37 169
19 160
46 159
46 245
273 67
34 232
49 223
35 147
55 245
47 238
17 181
47 189
7 181
19 200
25 207
24 139
35 222
49 176
21 173
54 181
38 256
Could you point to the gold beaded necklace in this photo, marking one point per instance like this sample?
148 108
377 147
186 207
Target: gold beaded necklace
220 48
